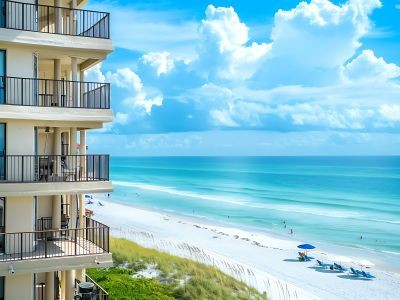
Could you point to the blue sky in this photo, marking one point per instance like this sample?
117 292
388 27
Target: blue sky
285 77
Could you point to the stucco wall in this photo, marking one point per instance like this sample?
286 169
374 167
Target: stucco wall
19 214
20 138
45 206
19 287
19 61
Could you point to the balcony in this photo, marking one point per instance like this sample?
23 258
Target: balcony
53 168
55 20
54 93
44 244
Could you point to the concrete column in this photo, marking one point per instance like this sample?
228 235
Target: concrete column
73 139
72 19
58 17
57 150
81 211
74 77
82 89
57 85
74 211
49 288
62 285
56 218
69 284
57 69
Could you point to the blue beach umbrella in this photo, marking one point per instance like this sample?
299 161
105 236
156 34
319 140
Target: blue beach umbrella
306 247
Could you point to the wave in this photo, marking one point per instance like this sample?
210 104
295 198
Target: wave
232 200
391 252
174 191
308 210
383 221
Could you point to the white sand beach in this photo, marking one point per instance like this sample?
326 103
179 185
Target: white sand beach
265 262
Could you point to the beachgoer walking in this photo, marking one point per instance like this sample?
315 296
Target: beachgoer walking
291 231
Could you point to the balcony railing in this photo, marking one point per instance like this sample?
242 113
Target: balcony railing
97 293
53 19
54 93
53 168
93 239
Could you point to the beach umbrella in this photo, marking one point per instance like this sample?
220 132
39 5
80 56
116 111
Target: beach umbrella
306 247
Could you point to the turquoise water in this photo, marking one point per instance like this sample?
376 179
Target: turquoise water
333 200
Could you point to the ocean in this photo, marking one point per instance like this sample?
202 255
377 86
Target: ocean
344 202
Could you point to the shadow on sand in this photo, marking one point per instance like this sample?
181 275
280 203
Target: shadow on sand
322 270
292 260
352 277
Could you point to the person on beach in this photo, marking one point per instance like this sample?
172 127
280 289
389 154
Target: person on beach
291 231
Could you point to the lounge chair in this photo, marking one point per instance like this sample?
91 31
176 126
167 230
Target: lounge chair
356 272
367 275
322 264
339 267
303 257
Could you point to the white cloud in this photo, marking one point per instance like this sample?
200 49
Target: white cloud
95 74
121 118
138 98
311 41
222 50
222 118
160 62
390 112
370 68
274 86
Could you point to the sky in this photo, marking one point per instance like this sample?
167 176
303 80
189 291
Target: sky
279 77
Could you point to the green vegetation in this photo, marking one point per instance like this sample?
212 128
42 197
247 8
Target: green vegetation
173 277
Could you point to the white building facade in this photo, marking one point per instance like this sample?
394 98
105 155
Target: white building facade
46 108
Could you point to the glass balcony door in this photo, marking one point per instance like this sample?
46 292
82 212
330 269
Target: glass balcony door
2 13
2 76
2 150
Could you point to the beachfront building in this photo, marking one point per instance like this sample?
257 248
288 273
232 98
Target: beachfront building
46 108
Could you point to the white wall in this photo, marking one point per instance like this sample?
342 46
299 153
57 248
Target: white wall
19 287
19 218
45 206
19 214
19 61
20 138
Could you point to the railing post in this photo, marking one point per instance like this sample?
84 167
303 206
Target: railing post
76 241
45 243
23 17
21 248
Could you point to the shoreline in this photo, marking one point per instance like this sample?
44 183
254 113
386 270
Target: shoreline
264 261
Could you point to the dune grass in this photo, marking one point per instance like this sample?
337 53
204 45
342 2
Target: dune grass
177 278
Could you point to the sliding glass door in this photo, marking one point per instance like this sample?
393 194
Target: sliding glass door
3 13
2 150
2 78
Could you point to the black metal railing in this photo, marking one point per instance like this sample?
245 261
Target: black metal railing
55 243
54 168
97 293
54 93
53 19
